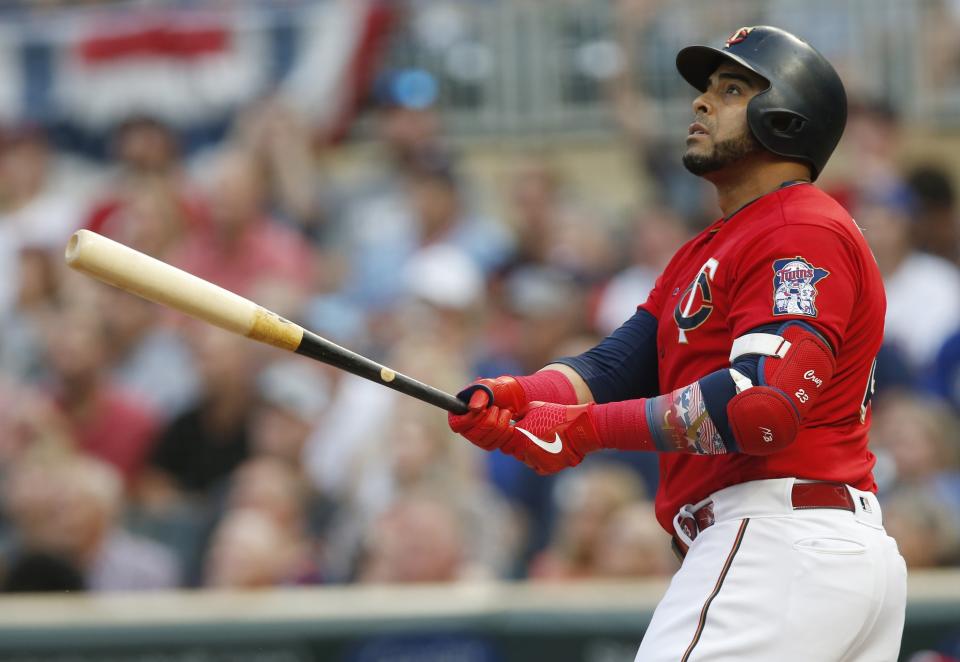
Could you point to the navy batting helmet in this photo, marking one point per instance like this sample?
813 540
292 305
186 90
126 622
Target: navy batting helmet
802 112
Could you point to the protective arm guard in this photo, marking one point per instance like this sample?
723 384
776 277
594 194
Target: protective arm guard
794 367
755 407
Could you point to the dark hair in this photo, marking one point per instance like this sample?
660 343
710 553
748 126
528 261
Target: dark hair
42 572
932 186
436 165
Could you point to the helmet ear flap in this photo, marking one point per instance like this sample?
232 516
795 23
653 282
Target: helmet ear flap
784 123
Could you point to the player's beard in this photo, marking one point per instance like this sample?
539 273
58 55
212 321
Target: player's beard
724 153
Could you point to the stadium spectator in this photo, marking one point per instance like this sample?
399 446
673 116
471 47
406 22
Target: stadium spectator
36 214
144 144
413 198
585 502
293 395
541 308
632 544
924 528
35 305
935 218
443 214
148 175
198 449
408 124
273 488
554 225
30 422
424 458
940 77
537 313
106 421
536 197
418 539
919 286
915 437
244 249
408 132
870 149
381 233
281 142
146 355
945 374
654 235
444 295
249 551
647 33
152 218
335 453
427 336
401 448
70 506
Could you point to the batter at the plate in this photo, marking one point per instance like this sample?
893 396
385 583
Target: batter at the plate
749 370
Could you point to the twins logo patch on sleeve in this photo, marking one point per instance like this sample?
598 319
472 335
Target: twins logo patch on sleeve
794 286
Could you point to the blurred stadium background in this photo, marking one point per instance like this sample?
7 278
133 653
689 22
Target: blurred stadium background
456 188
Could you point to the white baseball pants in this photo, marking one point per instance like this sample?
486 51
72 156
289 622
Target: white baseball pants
767 582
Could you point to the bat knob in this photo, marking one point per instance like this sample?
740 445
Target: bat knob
468 392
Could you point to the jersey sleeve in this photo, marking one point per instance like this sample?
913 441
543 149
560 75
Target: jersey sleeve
796 272
654 302
624 364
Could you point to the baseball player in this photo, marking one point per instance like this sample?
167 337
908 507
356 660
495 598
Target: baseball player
749 370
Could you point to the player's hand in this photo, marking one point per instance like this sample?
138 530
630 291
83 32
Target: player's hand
552 437
485 425
507 393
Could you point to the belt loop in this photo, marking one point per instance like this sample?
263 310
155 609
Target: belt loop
788 486
678 527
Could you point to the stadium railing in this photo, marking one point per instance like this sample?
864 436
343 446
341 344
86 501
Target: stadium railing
482 622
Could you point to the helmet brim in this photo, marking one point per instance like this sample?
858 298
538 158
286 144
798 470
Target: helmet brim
697 63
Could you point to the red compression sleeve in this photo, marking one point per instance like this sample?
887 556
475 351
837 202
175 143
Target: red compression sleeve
623 425
675 422
548 386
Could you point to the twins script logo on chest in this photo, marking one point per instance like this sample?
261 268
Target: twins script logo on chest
696 304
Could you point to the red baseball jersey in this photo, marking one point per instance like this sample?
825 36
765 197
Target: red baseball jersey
793 254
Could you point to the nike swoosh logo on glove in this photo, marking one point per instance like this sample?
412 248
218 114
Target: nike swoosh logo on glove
554 446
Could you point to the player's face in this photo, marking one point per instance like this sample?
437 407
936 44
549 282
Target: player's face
719 135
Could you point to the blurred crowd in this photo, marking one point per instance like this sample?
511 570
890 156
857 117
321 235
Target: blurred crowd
142 450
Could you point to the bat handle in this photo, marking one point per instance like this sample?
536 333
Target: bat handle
430 395
325 351
454 406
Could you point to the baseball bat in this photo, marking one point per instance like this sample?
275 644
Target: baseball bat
130 270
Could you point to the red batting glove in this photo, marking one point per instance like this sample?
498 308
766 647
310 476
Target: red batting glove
515 393
552 437
485 426
507 392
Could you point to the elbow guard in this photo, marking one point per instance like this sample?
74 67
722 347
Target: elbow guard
794 368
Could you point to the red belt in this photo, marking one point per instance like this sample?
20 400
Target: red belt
804 496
